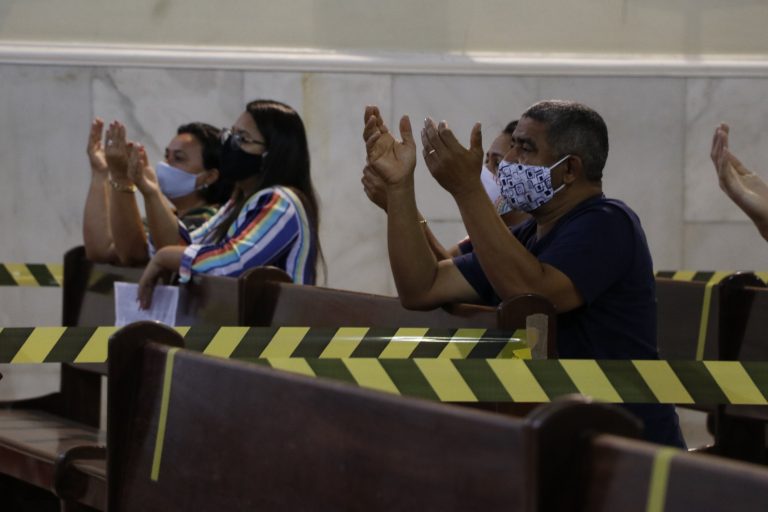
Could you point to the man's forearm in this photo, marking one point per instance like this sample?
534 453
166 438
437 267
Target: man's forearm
414 266
510 267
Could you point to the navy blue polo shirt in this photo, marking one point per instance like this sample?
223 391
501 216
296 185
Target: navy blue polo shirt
600 245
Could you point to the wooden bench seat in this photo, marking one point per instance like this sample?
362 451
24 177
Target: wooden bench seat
31 442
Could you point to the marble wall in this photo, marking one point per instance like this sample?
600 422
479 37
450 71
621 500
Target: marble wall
660 132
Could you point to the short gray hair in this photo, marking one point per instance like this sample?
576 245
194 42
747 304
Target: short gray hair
576 129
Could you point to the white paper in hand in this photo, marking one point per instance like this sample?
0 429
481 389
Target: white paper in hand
165 300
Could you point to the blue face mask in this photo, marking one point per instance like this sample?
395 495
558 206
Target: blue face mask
526 187
174 182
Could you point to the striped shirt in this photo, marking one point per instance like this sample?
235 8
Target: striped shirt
272 228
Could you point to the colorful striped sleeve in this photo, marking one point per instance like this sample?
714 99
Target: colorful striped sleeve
271 228
206 230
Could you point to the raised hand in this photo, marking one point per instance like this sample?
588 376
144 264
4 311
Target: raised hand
140 172
117 150
455 167
393 161
743 186
95 150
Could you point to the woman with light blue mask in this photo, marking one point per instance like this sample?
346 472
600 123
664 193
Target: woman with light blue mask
184 187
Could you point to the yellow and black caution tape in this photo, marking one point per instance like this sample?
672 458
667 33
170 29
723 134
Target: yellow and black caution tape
31 274
454 365
52 274
703 276
89 344
516 380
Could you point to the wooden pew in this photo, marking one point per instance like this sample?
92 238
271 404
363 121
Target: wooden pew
618 473
287 304
61 430
740 431
89 301
738 321
680 306
240 436
206 300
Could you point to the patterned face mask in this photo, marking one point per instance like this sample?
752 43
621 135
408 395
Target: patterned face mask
526 187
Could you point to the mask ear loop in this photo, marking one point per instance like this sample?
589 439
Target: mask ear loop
561 187
566 157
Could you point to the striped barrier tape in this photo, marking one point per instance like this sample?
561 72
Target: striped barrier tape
703 276
539 381
459 365
52 274
31 274
89 344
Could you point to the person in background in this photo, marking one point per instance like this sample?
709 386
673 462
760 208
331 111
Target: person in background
184 186
499 147
272 217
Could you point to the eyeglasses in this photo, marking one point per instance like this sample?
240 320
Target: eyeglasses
238 138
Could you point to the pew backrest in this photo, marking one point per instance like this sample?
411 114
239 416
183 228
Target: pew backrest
287 304
628 475
680 306
744 320
705 320
238 436
206 300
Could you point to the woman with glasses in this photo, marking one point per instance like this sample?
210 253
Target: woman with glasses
184 186
272 217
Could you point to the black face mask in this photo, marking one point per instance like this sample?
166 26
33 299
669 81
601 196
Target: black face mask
235 164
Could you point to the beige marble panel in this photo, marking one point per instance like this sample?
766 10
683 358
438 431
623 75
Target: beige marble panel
461 101
724 246
645 119
352 230
285 87
44 113
152 103
743 104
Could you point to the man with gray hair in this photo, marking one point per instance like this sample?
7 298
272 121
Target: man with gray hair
585 253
